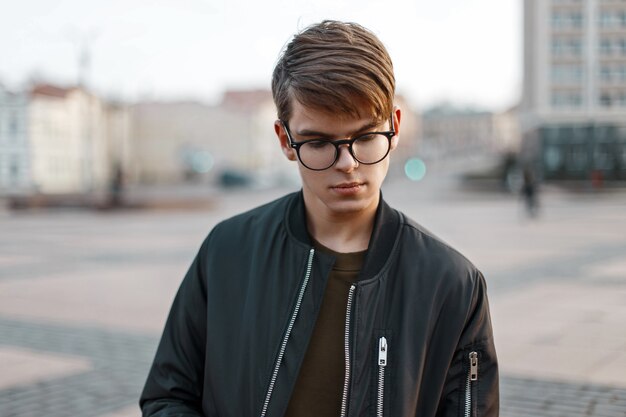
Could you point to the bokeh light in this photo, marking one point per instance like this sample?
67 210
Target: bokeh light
415 169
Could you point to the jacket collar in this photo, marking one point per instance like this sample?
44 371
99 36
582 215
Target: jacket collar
384 233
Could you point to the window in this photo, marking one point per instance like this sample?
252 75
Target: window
605 47
558 100
606 19
553 158
577 157
575 47
623 155
605 100
602 132
602 156
13 125
562 20
566 99
612 19
567 46
14 169
576 20
558 48
567 74
605 73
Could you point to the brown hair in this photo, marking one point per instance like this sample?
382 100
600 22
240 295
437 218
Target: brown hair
336 67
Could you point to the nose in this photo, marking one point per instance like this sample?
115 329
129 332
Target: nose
345 161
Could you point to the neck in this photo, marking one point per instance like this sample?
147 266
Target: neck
341 232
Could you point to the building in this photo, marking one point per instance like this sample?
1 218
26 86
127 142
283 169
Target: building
449 130
68 147
507 136
573 111
257 108
61 141
176 141
15 170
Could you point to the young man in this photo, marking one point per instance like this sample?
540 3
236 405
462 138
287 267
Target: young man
328 302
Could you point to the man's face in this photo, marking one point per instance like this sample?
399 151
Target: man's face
347 187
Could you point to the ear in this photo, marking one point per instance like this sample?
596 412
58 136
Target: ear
397 117
289 152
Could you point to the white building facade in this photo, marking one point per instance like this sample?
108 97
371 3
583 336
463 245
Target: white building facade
574 101
68 143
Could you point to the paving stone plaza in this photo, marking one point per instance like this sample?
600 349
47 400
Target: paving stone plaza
84 295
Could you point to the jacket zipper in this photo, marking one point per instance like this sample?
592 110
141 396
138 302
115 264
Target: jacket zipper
346 382
283 345
382 363
472 376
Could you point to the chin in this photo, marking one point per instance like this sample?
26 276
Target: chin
347 206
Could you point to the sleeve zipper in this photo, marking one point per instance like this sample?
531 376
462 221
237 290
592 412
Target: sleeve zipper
472 376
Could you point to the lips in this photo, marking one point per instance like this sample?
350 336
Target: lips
348 188
348 185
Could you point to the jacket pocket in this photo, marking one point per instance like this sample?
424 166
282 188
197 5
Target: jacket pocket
471 385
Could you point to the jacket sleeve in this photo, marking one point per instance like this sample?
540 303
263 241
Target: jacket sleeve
474 388
175 382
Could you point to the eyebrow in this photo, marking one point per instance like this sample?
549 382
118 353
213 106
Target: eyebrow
315 133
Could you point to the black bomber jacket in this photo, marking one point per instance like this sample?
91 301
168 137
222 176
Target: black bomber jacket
418 331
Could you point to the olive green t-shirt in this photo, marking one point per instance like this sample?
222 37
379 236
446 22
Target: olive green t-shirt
319 386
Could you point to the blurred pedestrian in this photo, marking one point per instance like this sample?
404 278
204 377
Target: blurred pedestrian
597 179
529 192
116 187
328 302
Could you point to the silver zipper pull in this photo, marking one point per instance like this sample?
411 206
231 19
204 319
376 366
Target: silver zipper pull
382 351
473 356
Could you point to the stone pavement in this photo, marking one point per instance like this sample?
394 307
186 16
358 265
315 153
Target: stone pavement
83 296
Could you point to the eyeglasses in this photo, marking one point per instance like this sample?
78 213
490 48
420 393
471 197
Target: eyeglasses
320 154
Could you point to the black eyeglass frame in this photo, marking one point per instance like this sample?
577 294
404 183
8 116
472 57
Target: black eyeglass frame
389 134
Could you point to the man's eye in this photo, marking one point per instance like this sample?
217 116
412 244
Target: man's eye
367 137
318 144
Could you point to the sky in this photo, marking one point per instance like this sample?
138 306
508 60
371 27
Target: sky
467 52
